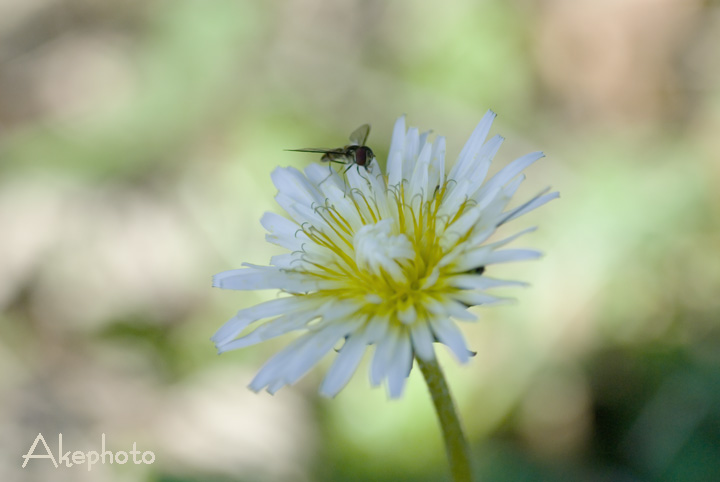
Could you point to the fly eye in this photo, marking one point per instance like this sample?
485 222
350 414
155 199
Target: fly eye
361 156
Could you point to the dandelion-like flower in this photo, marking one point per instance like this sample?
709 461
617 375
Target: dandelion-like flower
385 259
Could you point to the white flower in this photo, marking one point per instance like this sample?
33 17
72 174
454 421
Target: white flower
386 260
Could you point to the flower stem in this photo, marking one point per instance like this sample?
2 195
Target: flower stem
455 442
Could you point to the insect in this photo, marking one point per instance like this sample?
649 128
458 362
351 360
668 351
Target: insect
354 154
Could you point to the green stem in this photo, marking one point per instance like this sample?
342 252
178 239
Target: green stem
455 443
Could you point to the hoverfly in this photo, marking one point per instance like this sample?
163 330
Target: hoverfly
354 154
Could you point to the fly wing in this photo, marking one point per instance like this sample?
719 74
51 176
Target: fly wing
318 150
359 136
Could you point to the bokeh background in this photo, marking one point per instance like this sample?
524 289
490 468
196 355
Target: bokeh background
136 143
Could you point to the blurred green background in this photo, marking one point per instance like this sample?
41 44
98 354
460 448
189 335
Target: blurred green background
136 142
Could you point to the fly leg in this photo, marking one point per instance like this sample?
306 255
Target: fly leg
360 174
330 160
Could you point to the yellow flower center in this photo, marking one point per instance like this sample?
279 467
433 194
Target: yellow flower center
389 266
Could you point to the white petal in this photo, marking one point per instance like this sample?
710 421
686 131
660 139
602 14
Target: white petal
510 255
452 256
449 335
228 331
275 386
465 223
338 312
509 239
436 170
471 259
379 189
322 341
344 366
531 205
358 178
287 260
474 298
400 366
343 204
458 194
292 363
323 175
289 322
493 201
407 313
510 171
458 311
282 231
272 369
295 185
383 356
263 310
430 280
480 282
481 235
273 328
424 140
422 340
377 328
464 162
264 277
412 149
450 307
299 212
419 178
396 154
481 164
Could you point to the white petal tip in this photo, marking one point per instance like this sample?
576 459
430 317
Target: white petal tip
396 394
430 356
255 388
327 393
220 348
